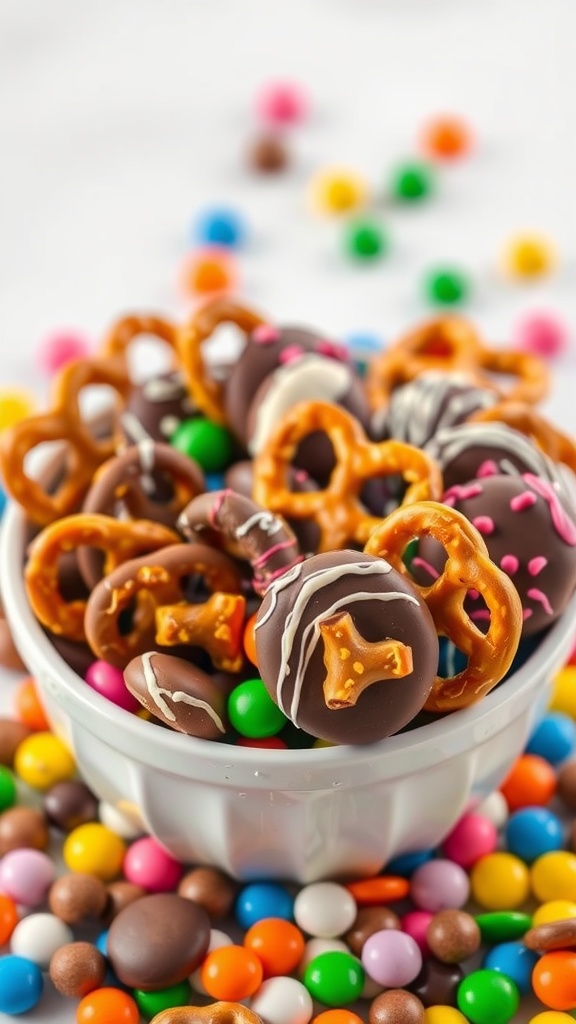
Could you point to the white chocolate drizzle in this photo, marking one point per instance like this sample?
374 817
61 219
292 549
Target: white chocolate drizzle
164 389
432 402
157 693
265 521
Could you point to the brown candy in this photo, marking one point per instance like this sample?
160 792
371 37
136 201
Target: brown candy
268 154
553 935
215 1013
566 785
396 1006
70 804
437 983
120 895
368 921
158 941
12 734
23 827
77 969
209 888
453 936
75 897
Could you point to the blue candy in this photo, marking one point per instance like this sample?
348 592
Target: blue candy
220 226
21 984
406 863
3 502
554 738
515 960
362 347
532 831
263 899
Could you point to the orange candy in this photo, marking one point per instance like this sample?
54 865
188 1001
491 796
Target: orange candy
337 1017
28 707
554 980
107 1006
446 138
278 944
8 918
250 640
231 973
382 889
531 783
209 272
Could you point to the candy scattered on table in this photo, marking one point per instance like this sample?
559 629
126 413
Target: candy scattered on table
446 137
15 406
335 191
446 286
209 271
543 333
60 348
282 103
412 182
529 256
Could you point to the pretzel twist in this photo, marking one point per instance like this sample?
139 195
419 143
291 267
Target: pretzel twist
450 344
63 423
215 1013
144 586
118 540
206 392
337 508
468 566
524 418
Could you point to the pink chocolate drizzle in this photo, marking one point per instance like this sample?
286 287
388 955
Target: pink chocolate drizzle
564 526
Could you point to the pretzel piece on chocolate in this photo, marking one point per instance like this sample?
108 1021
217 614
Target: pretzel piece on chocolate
468 567
118 540
142 586
206 391
337 509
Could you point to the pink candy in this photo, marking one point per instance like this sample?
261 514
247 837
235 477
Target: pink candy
109 682
473 837
148 864
542 334
281 103
26 875
61 348
415 924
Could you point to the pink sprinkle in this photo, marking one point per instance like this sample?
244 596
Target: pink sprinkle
332 350
484 524
301 476
564 526
460 492
523 501
482 614
473 594
535 565
265 334
509 564
488 468
538 595
291 354
257 563
527 614
421 563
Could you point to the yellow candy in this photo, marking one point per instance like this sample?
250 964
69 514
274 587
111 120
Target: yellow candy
529 256
500 881
14 406
554 910
564 692
446 1015
553 876
552 1017
94 849
42 760
338 191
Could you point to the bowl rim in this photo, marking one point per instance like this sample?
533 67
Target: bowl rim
439 734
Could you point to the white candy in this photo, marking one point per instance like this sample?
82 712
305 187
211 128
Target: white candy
315 947
495 808
325 909
118 822
283 1001
217 940
38 936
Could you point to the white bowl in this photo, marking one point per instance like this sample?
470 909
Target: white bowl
291 814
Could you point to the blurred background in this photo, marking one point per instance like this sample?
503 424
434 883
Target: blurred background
124 123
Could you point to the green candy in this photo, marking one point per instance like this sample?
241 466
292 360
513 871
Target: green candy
7 789
446 286
151 1003
335 978
208 443
488 997
252 712
503 926
365 240
412 182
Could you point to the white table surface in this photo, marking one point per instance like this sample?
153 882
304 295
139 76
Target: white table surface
120 121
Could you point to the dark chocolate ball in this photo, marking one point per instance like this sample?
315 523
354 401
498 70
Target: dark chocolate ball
346 647
437 983
69 804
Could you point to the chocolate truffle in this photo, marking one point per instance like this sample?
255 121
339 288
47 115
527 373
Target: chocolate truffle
346 647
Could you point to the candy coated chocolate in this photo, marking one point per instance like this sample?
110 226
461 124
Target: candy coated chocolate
12 734
437 983
120 895
179 694
209 888
69 804
77 896
453 936
77 969
346 647
23 827
268 154
553 935
566 786
368 921
9 656
158 941
396 1006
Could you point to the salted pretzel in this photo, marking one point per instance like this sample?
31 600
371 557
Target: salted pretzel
468 567
84 452
151 589
207 392
451 344
118 540
337 509
524 418
214 1013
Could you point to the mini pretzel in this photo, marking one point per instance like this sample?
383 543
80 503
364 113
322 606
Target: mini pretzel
152 588
467 567
84 452
206 392
337 509
522 417
119 540
451 344
215 1013
261 537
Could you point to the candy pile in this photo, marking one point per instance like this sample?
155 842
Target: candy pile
216 526
100 912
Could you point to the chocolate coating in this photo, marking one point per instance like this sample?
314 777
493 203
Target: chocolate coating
23 827
69 804
554 935
431 402
77 655
453 936
158 941
156 408
12 734
240 478
291 647
77 969
179 694
368 921
77 896
396 1006
211 889
437 983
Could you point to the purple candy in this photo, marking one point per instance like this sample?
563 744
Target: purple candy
439 885
391 958
26 875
